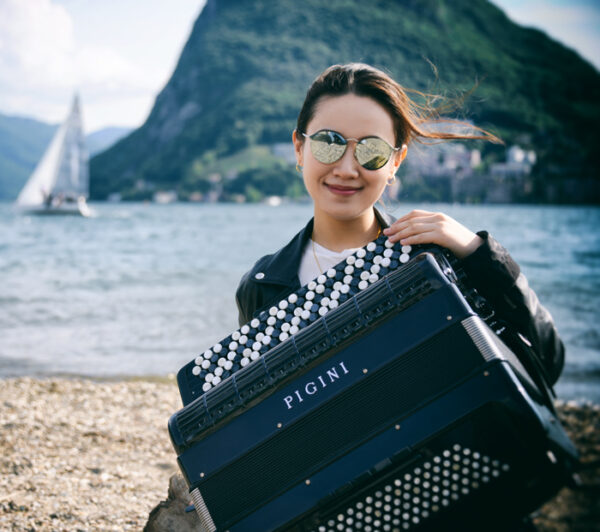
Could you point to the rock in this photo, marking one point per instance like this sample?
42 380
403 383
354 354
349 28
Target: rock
170 515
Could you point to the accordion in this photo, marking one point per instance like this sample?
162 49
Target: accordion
377 397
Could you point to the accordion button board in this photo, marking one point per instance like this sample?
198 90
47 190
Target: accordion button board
373 398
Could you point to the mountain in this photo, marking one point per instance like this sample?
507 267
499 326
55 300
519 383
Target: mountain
242 76
22 143
100 140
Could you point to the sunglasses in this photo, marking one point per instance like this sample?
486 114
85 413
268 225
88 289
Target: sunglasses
329 146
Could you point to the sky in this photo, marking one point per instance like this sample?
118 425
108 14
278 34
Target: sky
119 54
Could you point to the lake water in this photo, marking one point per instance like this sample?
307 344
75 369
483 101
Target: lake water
140 289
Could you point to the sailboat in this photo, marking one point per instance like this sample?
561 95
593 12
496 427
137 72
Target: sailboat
60 182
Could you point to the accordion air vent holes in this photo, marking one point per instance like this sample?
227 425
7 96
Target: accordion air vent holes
418 494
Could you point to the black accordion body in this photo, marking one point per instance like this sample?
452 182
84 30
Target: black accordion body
375 398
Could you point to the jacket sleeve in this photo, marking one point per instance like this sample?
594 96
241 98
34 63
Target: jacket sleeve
245 300
498 278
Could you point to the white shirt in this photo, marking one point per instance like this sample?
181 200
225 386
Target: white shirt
309 269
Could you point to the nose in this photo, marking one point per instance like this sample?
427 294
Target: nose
347 166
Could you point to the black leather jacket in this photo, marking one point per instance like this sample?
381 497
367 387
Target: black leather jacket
490 269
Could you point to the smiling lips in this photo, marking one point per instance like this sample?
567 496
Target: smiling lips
342 190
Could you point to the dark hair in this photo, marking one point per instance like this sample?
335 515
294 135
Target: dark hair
412 121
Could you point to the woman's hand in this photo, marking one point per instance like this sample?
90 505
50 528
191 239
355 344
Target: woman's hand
424 227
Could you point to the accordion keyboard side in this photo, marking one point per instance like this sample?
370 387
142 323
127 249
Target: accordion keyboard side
354 318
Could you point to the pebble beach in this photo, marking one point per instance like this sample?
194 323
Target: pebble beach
83 455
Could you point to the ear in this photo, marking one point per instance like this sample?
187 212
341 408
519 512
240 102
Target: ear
298 147
400 156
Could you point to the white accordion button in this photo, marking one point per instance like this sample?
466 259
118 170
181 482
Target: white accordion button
256 346
308 305
221 362
362 285
293 298
337 285
373 278
218 372
266 340
236 336
231 355
269 331
389 244
281 314
209 377
306 315
196 370
206 364
247 352
245 329
364 275
323 311
285 327
347 279
284 336
375 268
254 355
283 304
259 275
217 348
377 259
345 289
259 337
404 258
348 270
255 323
335 294
216 381
321 279
386 262
206 386
208 354
359 263
312 285
351 259
271 320
388 252
295 320
333 304
233 346
361 253
310 295
331 273
371 246
245 362
294 329
406 249
320 289
228 365
273 311
243 339
324 302
198 361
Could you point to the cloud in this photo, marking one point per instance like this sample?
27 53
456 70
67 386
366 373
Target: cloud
42 63
576 24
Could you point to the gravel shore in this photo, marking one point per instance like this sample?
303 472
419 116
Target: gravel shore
80 455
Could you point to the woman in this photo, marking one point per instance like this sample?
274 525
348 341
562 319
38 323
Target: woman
352 135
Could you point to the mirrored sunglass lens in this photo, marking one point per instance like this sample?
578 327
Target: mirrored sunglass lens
372 153
327 146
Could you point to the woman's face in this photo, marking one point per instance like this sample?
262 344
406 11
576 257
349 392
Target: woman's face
344 190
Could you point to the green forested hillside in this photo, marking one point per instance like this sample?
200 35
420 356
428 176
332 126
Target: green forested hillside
243 73
22 142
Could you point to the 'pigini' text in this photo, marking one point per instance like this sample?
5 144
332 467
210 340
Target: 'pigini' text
314 386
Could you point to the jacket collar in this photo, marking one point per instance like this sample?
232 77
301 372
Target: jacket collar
282 267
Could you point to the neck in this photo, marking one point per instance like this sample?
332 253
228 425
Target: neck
338 235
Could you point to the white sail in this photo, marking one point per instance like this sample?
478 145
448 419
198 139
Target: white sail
63 172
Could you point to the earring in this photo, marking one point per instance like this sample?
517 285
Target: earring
298 168
391 181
